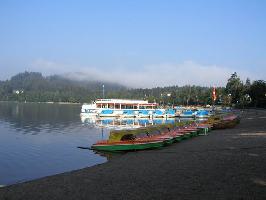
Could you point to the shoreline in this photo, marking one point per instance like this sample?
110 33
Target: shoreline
226 164
41 102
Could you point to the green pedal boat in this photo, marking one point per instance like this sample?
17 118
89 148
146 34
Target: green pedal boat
131 145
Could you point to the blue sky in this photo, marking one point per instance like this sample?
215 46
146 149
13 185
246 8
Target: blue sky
142 43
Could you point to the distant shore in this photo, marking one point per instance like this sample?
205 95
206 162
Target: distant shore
226 164
48 102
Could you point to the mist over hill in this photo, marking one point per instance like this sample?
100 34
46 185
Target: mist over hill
34 87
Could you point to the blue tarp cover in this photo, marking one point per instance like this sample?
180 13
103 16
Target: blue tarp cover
128 112
170 111
107 112
144 112
158 112
188 112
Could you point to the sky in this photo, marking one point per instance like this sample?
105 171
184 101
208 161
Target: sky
138 43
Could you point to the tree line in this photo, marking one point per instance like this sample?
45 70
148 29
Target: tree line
246 94
34 87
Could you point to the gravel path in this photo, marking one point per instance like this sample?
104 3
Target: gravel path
226 164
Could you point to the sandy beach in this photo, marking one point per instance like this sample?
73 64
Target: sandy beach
226 164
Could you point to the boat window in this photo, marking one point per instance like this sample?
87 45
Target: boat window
129 106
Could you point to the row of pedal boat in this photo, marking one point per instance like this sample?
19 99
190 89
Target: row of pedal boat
159 113
152 140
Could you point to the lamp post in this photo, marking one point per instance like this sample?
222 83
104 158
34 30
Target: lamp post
169 97
103 91
230 100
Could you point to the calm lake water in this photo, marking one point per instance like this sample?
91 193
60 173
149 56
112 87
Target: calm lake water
38 140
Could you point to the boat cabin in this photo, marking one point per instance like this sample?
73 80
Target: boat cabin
124 104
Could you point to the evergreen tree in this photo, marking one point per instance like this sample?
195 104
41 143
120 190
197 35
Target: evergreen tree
234 88
258 93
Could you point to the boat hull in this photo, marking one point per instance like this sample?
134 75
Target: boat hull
88 114
158 116
202 116
108 115
143 116
186 116
132 146
170 116
127 116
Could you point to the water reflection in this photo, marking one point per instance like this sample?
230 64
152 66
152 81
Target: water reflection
126 123
32 118
108 154
38 140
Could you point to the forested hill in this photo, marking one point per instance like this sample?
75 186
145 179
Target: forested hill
34 87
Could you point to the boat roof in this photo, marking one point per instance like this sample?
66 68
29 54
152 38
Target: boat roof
125 101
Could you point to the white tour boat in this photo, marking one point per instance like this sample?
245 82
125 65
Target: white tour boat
118 108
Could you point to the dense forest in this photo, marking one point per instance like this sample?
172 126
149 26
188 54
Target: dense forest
34 87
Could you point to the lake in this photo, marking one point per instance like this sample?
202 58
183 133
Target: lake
38 139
